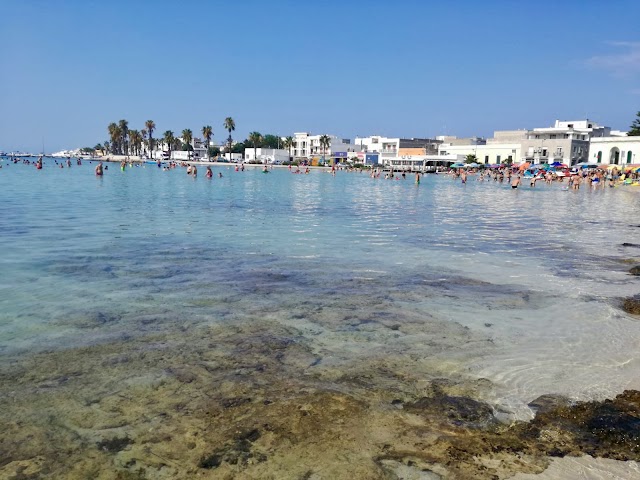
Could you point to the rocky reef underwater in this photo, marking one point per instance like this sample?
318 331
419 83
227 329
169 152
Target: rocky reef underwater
256 400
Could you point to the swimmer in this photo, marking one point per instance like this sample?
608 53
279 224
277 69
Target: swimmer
209 173
219 174
516 182
99 169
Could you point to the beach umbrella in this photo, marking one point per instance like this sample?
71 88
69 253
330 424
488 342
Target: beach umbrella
473 165
457 165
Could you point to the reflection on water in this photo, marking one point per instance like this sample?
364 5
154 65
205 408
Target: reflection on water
148 299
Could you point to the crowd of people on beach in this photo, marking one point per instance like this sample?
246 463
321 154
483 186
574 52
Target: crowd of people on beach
515 176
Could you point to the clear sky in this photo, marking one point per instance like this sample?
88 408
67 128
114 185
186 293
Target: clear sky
398 68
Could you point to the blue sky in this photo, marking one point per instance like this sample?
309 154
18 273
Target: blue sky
402 68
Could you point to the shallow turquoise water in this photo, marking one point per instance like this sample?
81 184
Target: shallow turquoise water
89 259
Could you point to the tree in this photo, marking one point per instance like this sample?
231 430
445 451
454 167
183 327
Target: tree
471 158
255 138
143 134
151 126
288 143
271 141
230 126
135 142
187 136
168 139
124 133
635 127
213 152
325 142
107 146
116 137
207 133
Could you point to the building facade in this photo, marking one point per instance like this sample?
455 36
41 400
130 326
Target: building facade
623 151
307 146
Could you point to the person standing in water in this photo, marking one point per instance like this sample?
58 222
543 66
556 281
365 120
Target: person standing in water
99 169
417 178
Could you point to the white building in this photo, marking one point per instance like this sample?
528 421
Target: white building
266 155
624 151
307 146
566 141
489 154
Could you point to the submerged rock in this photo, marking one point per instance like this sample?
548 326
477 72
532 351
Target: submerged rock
631 305
459 411
546 403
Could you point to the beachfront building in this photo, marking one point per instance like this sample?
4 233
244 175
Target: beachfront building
399 153
307 146
566 142
266 155
484 154
615 150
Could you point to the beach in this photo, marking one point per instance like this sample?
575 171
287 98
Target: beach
155 325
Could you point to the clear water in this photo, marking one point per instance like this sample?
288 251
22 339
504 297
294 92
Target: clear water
523 285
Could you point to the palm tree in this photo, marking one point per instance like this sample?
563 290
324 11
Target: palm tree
124 133
168 139
207 133
325 142
143 134
107 145
255 138
187 136
135 142
151 126
115 135
288 142
229 125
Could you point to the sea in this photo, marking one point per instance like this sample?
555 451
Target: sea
378 285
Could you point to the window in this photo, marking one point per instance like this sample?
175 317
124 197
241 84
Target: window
590 125
498 159
537 136
570 125
600 157
552 136
486 159
629 156
566 135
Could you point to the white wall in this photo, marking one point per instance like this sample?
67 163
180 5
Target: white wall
268 155
609 145
496 153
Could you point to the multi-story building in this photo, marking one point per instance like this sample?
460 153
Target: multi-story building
566 142
307 146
